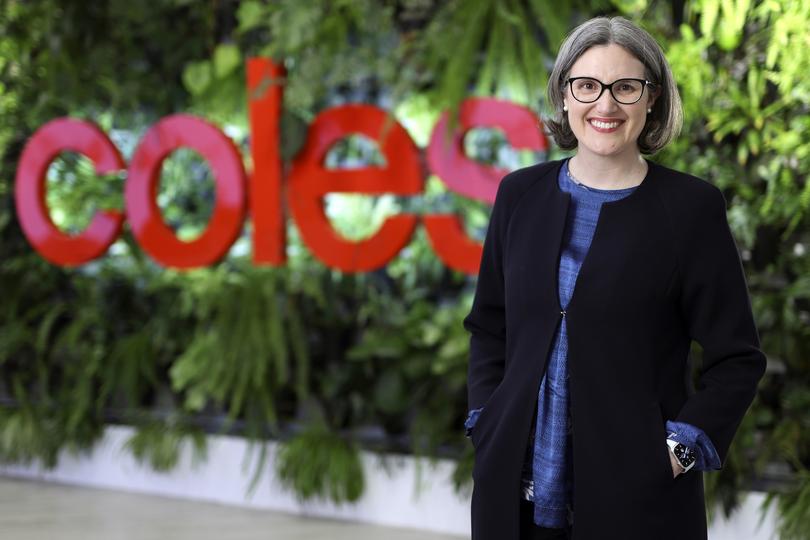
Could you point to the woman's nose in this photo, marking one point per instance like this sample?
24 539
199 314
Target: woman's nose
606 103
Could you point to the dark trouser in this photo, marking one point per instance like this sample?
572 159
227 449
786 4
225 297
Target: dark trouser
530 531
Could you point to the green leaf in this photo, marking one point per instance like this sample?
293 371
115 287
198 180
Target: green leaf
709 12
197 76
630 6
250 14
320 464
226 59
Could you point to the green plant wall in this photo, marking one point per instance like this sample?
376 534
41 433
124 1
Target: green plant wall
324 362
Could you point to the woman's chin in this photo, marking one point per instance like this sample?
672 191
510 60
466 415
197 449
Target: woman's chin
603 150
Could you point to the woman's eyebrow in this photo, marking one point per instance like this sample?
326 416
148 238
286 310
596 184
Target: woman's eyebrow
616 79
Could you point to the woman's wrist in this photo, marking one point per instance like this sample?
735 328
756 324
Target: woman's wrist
677 468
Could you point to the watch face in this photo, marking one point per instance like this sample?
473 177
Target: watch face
685 455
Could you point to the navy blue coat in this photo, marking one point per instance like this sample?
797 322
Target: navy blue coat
662 270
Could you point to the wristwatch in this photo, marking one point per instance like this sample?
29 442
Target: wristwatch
684 454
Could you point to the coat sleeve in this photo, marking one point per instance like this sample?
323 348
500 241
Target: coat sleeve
486 320
706 457
716 309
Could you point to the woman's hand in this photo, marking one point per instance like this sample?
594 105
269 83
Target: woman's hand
676 467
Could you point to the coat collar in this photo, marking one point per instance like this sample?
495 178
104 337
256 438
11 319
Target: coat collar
552 173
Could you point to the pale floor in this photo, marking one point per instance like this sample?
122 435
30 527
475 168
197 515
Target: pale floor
41 511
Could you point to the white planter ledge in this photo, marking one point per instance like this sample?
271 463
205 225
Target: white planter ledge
404 492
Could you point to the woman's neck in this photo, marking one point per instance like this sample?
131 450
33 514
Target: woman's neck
615 172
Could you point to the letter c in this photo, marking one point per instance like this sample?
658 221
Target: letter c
55 137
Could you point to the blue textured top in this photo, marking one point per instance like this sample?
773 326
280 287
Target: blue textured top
547 471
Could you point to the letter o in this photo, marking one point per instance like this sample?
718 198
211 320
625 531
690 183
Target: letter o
143 213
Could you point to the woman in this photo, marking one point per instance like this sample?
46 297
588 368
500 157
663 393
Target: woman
582 416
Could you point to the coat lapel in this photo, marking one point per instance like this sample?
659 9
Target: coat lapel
539 224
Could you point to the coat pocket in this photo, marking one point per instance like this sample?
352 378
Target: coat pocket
663 464
480 427
475 433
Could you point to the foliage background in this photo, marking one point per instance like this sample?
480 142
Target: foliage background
329 362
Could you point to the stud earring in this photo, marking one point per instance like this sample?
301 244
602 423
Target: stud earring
565 107
649 111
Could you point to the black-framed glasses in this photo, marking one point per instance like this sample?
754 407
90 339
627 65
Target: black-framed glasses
625 91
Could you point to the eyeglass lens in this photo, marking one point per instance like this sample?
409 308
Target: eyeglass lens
625 91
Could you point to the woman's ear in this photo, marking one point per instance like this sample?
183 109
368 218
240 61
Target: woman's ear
653 97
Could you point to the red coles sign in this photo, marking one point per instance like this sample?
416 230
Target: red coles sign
263 192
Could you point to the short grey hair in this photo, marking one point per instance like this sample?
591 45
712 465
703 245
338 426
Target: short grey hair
663 123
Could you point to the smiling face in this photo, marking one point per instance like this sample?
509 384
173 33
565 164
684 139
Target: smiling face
618 126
